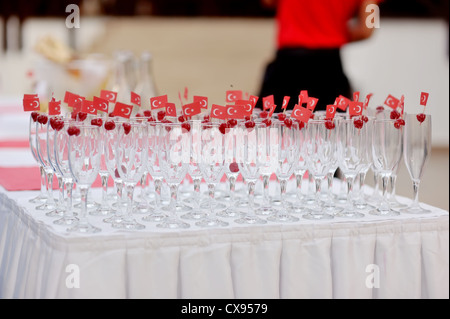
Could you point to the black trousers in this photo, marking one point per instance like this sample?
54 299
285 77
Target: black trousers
295 69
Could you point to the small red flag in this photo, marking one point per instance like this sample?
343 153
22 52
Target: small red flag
355 108
108 95
301 113
424 98
122 110
312 103
31 102
343 103
267 102
158 102
100 104
135 98
191 109
203 100
233 95
218 112
171 110
331 111
285 102
54 107
392 101
88 107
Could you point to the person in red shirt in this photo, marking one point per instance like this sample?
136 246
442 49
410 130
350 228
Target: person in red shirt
310 35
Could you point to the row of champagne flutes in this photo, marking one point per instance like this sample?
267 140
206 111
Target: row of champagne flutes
128 150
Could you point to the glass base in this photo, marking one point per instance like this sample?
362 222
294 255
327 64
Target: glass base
46 206
141 208
282 218
179 209
216 206
230 212
317 216
415 210
56 213
265 211
194 215
172 223
83 228
394 204
349 214
128 224
154 217
102 211
113 219
66 220
389 212
332 210
38 199
211 222
90 205
250 220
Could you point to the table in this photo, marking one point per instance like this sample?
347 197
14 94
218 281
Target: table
374 257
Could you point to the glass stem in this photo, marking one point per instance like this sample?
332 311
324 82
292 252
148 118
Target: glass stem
82 217
349 204
43 180
50 187
416 194
283 188
318 184
143 182
197 182
69 190
251 196
173 198
119 188
362 178
211 190
158 187
384 205
376 186
330 177
393 181
104 179
299 181
130 191
266 183
61 191
232 181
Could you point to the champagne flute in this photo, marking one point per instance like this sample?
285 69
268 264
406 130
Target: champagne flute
387 141
352 141
173 154
212 166
251 160
61 154
84 163
284 149
320 149
131 161
32 130
417 151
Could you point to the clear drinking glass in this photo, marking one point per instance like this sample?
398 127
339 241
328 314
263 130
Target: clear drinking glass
387 146
212 166
284 150
250 160
61 154
320 149
32 129
41 151
417 151
352 142
84 163
131 162
173 154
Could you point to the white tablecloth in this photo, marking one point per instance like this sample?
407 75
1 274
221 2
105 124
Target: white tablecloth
374 257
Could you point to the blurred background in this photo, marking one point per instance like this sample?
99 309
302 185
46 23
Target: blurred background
210 46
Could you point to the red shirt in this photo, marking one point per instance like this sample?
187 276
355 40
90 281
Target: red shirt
314 23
